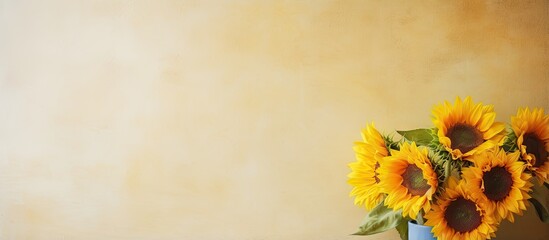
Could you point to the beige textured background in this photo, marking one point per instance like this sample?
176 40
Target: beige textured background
235 119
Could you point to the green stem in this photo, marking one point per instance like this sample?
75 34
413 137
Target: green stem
447 169
419 219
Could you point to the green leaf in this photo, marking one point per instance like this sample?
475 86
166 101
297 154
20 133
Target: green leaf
380 219
421 136
402 228
540 200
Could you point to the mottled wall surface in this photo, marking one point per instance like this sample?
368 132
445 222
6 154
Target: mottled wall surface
235 119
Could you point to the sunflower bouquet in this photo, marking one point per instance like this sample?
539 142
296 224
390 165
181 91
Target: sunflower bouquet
461 177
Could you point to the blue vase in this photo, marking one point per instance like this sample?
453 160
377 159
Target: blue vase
419 232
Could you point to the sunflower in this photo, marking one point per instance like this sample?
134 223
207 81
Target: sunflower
500 179
364 175
465 128
532 131
409 180
459 215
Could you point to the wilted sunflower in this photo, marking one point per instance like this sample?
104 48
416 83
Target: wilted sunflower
466 128
459 215
408 179
532 131
364 172
500 179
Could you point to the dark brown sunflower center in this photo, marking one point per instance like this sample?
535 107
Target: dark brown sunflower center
535 147
462 215
497 183
464 137
413 180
